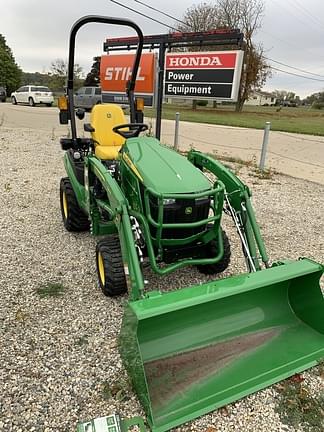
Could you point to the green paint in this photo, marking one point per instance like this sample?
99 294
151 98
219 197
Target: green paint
163 169
199 348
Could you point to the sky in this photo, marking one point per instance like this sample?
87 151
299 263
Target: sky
37 31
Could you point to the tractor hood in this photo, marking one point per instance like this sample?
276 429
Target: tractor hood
161 168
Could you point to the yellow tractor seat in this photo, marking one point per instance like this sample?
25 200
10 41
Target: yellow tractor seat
102 120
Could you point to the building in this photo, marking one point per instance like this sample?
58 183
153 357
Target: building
259 98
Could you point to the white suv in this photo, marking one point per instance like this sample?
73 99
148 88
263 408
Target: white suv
32 95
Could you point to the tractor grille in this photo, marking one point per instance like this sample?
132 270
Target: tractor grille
181 211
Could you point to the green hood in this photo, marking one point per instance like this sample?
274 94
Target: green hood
163 169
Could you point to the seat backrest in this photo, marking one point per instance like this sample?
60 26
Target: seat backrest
103 118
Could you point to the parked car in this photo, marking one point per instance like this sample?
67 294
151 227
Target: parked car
289 103
3 94
32 95
86 97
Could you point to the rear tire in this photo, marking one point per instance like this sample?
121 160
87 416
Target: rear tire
222 265
110 266
31 102
49 104
74 218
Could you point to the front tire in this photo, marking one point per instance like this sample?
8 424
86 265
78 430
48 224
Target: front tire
74 218
13 100
31 102
222 265
49 104
110 266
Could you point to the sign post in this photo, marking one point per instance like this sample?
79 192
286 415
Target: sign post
264 145
176 131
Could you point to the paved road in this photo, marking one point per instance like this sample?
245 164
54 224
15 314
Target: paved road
297 155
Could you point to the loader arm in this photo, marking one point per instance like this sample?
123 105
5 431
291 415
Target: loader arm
117 207
238 203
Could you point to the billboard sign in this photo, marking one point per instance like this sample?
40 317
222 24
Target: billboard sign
203 75
116 70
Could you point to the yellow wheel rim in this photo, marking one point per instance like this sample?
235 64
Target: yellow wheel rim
101 269
65 205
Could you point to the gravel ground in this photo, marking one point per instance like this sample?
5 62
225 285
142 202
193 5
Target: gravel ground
59 358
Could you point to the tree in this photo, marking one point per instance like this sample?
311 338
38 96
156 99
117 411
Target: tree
200 17
245 15
280 94
10 73
291 95
315 97
36 78
286 96
59 72
93 77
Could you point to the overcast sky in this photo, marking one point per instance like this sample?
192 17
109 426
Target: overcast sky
37 32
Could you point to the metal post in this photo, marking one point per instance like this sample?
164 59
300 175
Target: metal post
160 91
264 145
176 131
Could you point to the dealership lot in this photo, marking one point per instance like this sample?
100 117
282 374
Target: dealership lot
59 355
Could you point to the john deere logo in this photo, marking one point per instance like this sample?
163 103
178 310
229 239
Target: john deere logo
188 210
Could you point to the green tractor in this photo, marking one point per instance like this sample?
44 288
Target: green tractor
191 350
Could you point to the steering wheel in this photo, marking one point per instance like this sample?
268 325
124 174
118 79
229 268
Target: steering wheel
134 129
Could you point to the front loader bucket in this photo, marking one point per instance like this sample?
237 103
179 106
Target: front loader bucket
196 349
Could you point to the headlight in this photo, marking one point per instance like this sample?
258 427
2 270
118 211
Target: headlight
169 201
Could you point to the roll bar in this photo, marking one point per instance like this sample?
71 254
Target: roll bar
131 83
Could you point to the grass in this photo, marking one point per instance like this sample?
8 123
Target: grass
299 408
118 390
255 171
266 174
293 120
105 391
50 289
82 340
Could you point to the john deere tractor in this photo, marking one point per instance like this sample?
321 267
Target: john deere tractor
191 350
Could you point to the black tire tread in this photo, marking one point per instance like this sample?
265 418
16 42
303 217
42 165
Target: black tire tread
222 265
77 220
115 279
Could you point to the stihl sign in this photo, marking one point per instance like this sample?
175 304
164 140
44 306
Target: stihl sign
116 70
121 74
203 75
